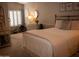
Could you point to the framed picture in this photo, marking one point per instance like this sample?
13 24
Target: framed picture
69 6
76 6
62 7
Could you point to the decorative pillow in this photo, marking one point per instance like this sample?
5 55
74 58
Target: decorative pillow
75 25
63 24
58 24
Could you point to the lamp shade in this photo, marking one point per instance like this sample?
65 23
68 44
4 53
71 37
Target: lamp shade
32 14
35 14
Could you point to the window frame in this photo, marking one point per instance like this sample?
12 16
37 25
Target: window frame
17 17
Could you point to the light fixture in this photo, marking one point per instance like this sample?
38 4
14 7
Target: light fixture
32 16
35 14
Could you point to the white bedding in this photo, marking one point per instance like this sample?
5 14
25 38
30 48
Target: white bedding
52 42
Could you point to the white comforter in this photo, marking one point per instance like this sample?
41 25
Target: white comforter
52 42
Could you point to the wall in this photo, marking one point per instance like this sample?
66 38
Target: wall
15 6
46 11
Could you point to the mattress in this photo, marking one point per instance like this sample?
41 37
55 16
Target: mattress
58 42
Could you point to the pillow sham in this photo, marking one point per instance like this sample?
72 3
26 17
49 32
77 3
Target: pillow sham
63 24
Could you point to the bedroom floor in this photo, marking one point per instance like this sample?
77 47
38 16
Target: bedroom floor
16 49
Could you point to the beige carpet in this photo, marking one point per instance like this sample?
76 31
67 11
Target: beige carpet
16 48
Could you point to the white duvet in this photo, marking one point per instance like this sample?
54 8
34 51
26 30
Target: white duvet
52 42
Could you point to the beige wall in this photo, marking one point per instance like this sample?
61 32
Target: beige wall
46 11
14 5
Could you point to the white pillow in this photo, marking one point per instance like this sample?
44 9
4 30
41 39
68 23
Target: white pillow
58 24
75 25
63 24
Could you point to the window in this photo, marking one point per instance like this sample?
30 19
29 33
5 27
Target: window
15 17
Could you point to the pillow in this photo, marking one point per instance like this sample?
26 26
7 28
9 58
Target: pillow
63 24
58 24
75 25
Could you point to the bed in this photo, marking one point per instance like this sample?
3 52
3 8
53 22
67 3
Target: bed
51 42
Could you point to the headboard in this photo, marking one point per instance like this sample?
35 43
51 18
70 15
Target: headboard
68 21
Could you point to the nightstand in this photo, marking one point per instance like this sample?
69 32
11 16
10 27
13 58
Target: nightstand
35 26
40 26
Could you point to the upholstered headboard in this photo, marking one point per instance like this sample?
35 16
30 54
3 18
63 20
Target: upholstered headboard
67 21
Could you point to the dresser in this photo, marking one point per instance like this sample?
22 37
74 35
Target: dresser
4 25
